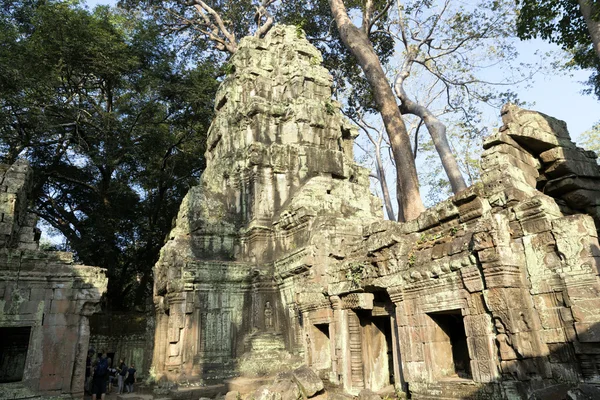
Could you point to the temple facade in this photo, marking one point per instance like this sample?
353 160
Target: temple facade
281 256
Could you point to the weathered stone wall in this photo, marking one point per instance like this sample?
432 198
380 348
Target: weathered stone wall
44 294
17 225
279 188
281 254
515 268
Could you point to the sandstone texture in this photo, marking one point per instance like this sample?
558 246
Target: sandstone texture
45 302
280 191
281 257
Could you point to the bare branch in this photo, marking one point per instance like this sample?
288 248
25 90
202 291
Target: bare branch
262 12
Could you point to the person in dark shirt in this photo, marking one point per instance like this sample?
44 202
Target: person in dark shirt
122 370
130 378
100 378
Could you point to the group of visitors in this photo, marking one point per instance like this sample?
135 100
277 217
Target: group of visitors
100 373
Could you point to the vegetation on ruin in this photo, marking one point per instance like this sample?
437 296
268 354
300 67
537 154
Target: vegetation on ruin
111 106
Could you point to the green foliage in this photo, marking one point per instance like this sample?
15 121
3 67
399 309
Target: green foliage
229 69
113 123
412 259
354 274
590 139
561 22
181 21
329 108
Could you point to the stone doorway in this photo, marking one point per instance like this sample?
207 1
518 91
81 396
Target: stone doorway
448 347
13 353
321 347
377 350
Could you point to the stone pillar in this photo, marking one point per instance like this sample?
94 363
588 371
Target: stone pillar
160 336
356 355
400 382
335 331
175 332
78 377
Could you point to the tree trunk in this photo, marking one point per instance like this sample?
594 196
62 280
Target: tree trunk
437 131
587 10
409 198
387 201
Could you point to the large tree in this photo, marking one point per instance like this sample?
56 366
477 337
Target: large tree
113 123
445 46
357 41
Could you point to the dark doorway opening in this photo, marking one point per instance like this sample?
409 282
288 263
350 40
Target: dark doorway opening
450 343
111 357
13 353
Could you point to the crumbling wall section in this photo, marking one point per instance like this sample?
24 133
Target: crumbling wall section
17 225
516 267
45 299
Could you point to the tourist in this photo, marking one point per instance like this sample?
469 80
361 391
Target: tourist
130 378
122 370
100 378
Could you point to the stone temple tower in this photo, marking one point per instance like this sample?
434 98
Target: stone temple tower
248 255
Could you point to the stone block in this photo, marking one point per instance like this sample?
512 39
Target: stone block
572 154
484 370
537 225
62 306
367 394
582 198
498 138
558 168
478 325
504 154
29 307
553 335
560 186
472 279
472 209
481 347
587 310
233 395
587 332
308 381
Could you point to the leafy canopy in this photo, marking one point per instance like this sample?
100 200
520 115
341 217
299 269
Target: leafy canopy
112 120
561 22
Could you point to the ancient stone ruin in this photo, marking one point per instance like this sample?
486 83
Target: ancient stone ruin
281 256
45 302
280 191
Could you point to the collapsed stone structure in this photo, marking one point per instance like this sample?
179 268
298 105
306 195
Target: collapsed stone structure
45 302
281 254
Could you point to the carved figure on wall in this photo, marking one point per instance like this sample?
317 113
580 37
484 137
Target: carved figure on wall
508 356
523 324
507 352
268 316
